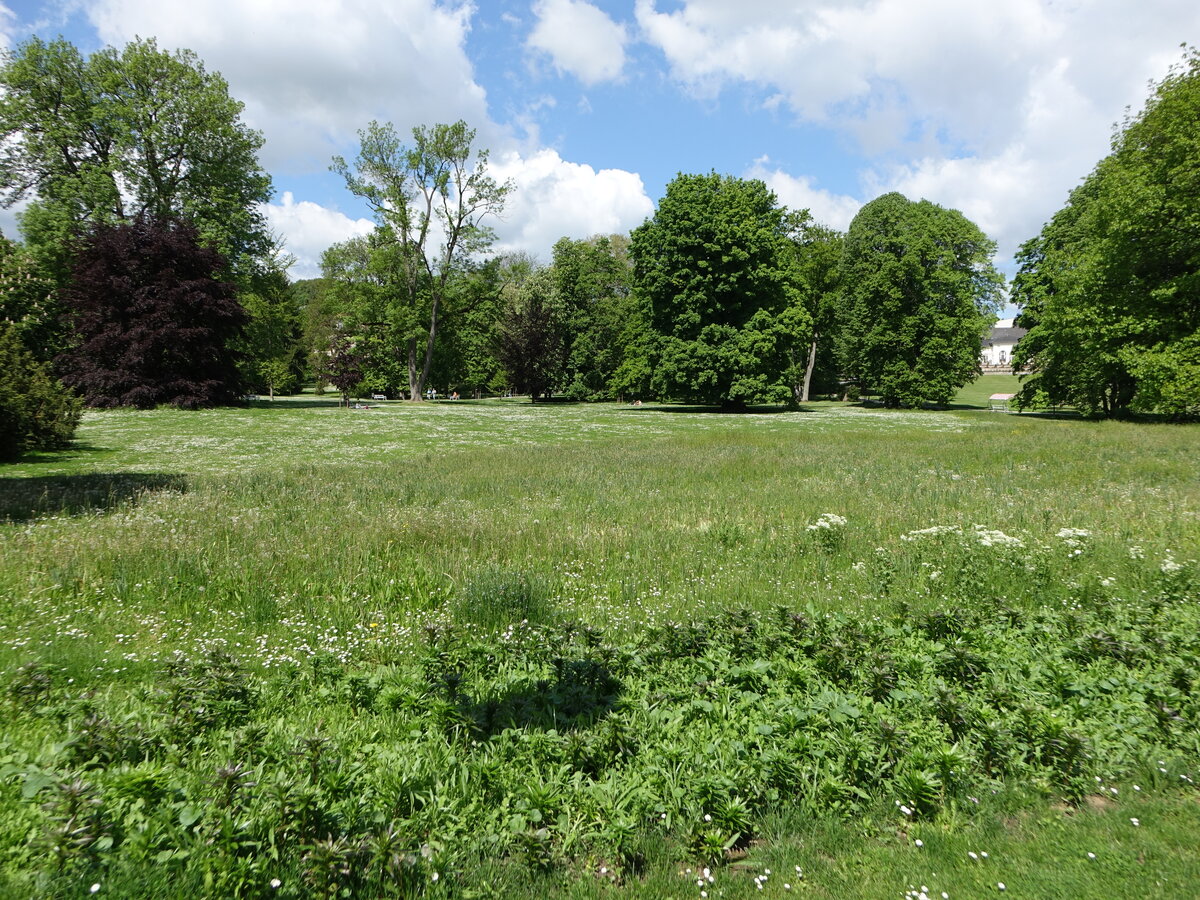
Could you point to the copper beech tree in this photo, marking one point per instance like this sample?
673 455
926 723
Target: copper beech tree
155 324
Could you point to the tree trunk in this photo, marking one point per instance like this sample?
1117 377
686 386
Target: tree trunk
433 329
414 380
808 369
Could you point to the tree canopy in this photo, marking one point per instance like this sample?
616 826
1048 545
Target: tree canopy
919 293
1110 289
128 133
716 270
431 200
155 325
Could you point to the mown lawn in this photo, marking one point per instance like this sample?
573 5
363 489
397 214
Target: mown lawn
229 625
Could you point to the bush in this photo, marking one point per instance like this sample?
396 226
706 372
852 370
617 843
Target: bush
36 411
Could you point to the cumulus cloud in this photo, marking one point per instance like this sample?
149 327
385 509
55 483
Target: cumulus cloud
995 109
580 39
800 192
7 19
312 72
555 198
308 229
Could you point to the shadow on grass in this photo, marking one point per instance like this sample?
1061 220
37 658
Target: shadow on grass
26 498
308 403
773 409
581 693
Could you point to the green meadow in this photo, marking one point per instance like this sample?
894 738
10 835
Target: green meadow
502 649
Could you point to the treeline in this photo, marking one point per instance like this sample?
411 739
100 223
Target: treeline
722 297
146 274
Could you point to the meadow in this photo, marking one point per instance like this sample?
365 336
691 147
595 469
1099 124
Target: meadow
497 649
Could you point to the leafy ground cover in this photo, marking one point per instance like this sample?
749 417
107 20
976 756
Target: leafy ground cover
584 649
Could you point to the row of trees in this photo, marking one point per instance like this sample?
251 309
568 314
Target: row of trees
722 297
147 274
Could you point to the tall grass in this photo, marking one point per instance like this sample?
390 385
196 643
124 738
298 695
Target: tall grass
662 515
332 553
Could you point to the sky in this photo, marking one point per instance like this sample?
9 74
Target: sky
997 108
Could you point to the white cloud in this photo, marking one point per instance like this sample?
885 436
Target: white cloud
308 229
555 198
7 18
580 40
799 192
996 109
311 72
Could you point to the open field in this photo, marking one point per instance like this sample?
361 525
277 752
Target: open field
530 649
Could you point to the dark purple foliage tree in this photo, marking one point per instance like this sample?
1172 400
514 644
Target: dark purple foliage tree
154 324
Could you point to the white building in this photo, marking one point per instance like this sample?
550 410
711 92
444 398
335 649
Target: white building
998 345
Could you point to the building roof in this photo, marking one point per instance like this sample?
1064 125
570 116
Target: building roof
1008 335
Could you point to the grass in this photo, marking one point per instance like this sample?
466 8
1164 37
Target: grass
319 546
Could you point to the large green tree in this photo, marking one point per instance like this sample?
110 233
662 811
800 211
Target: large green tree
1110 289
818 261
716 270
593 280
431 200
920 290
120 134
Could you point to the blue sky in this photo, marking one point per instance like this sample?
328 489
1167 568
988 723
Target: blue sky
994 107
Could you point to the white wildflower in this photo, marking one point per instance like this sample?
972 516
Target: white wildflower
828 521
931 531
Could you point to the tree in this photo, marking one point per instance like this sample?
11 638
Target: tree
818 260
121 135
155 324
920 291
715 268
430 200
28 299
593 279
270 344
531 335
1110 289
345 366
36 411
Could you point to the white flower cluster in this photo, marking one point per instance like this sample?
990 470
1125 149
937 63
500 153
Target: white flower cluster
931 531
988 537
1075 538
829 521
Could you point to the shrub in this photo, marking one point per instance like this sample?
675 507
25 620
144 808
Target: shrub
36 411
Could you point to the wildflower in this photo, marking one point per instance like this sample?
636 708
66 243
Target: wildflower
275 882
827 520
991 538
435 876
